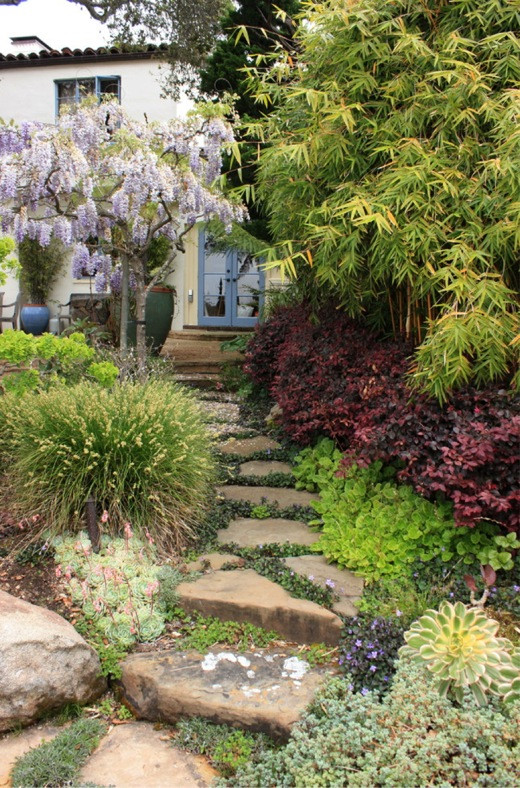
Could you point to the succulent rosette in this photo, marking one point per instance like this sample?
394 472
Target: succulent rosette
459 645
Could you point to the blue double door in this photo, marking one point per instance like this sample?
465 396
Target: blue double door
230 286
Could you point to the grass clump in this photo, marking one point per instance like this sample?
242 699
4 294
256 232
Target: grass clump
140 450
228 749
58 762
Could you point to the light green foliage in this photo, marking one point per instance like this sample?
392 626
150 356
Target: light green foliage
140 450
8 264
169 578
377 528
104 372
117 589
458 644
260 512
510 688
412 738
390 173
203 633
49 358
58 762
499 553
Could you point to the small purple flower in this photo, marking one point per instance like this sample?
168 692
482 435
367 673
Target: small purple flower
451 594
330 583
373 668
399 613
516 589
365 691
311 577
359 643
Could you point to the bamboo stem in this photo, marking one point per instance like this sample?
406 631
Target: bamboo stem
408 324
392 318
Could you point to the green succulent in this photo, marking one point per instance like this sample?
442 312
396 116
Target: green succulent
510 687
459 644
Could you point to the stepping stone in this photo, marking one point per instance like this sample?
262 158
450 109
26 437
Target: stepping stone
347 585
248 532
264 467
259 691
245 596
283 496
214 561
246 446
135 755
14 745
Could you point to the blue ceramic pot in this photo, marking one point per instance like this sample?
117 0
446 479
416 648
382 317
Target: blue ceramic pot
35 318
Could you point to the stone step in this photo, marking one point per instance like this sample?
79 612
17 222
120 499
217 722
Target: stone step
245 596
136 755
259 691
283 496
342 582
264 468
247 446
248 532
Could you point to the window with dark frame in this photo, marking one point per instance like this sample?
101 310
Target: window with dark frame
72 91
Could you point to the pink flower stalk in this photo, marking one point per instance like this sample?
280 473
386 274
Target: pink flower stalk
150 538
151 588
57 571
68 573
104 517
98 604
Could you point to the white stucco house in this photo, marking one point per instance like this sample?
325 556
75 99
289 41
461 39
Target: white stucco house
213 289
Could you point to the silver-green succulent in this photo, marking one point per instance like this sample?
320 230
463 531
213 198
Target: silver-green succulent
459 645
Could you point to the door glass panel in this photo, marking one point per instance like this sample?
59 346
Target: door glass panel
215 275
247 286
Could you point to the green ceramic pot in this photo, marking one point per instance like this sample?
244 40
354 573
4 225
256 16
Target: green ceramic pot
159 315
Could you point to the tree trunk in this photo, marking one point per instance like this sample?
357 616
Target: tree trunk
125 306
140 311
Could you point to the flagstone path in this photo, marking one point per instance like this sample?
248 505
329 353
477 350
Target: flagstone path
265 689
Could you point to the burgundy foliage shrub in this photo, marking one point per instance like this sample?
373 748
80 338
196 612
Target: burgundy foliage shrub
334 377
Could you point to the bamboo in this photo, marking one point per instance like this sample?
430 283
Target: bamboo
429 305
400 312
408 324
392 318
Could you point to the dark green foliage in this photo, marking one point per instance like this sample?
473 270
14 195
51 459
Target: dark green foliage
368 650
58 762
411 738
169 578
40 267
110 654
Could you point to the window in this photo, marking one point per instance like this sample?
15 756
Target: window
72 91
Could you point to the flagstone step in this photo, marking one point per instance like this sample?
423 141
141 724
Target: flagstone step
248 532
264 468
260 691
245 596
341 582
283 496
247 446
136 755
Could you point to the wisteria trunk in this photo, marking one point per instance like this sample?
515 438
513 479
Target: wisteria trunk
140 311
125 306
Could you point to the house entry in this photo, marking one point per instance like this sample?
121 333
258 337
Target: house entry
230 284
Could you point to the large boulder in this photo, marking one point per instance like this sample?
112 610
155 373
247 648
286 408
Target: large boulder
44 663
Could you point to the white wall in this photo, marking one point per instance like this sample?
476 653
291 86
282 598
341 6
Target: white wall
28 93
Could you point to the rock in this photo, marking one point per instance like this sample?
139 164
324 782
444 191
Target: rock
248 532
136 755
44 663
244 595
259 691
264 467
347 585
274 416
283 496
214 561
246 446
14 745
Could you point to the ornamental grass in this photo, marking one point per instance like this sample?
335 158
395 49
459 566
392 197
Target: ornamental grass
140 450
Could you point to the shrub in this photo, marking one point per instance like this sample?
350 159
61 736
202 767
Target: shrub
140 450
411 738
368 651
335 378
28 362
58 762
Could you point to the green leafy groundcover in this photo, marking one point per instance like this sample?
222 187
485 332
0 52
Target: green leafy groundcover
412 738
378 528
